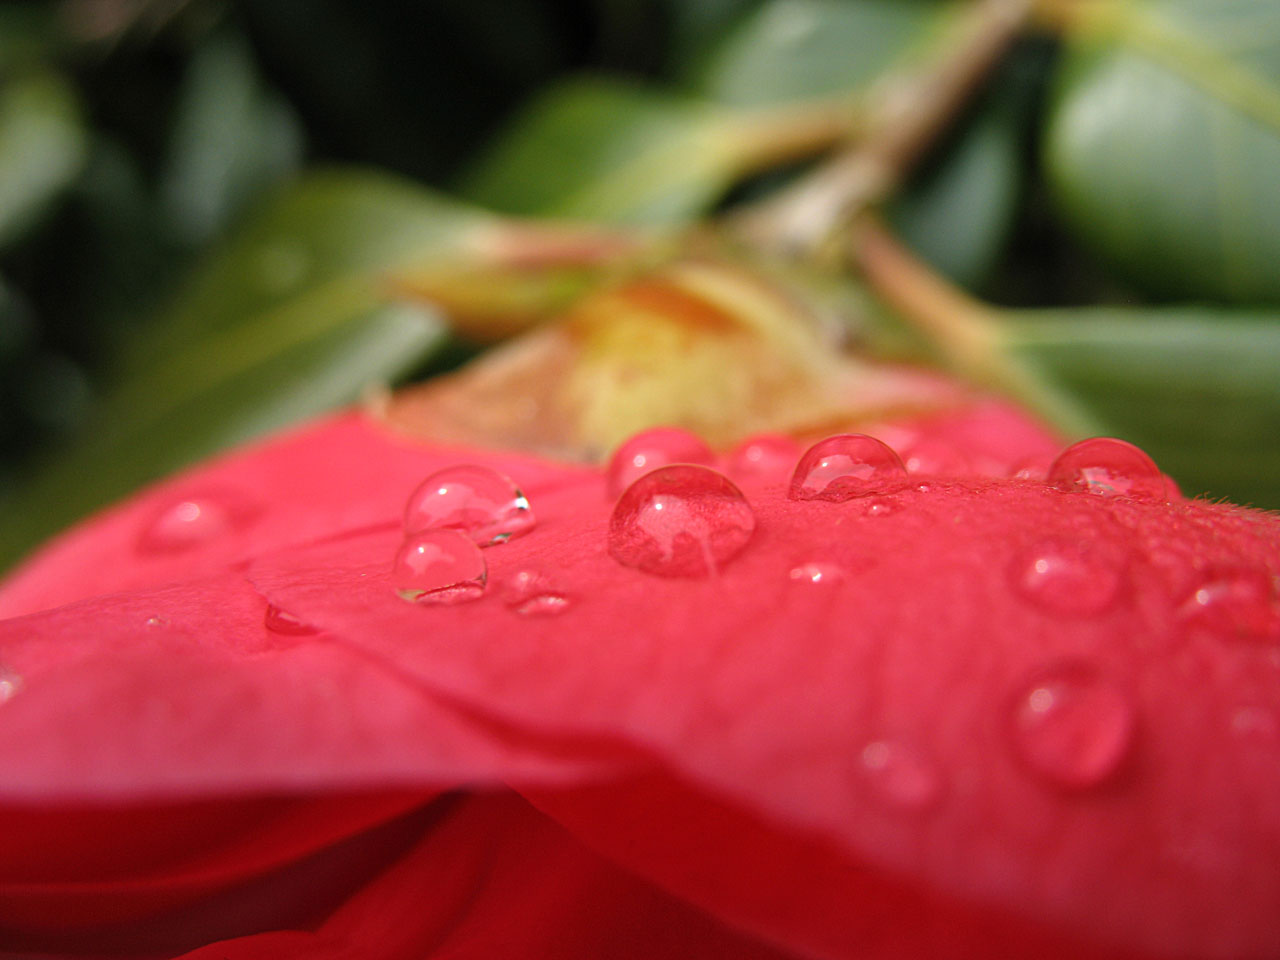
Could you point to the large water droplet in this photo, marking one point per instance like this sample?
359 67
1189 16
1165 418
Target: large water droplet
474 500
901 775
439 566
10 684
532 595
1236 602
284 622
843 467
651 449
1109 467
190 521
1071 578
680 521
1072 727
766 457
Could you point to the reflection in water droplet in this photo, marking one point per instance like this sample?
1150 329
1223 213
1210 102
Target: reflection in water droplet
1070 578
817 571
474 500
651 449
680 521
1109 467
901 775
767 456
439 566
1072 727
10 684
282 621
845 466
190 521
530 594
1235 602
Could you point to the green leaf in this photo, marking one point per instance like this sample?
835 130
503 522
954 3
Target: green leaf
800 49
231 138
42 147
1197 388
291 317
1164 141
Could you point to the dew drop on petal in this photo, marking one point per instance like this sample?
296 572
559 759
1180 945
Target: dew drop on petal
900 775
1235 602
155 623
1109 467
1072 727
650 449
191 521
767 456
1070 578
532 595
438 566
680 521
482 503
817 571
10 684
284 622
845 466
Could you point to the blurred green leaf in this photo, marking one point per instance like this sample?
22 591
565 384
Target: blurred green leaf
291 317
1196 388
42 147
231 138
1164 143
30 33
800 49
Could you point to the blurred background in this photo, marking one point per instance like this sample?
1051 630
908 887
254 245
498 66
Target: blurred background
176 276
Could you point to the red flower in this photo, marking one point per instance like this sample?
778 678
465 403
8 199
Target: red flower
967 717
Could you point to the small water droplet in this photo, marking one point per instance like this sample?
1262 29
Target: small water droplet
190 521
1072 727
651 449
1236 602
10 684
817 571
1032 468
881 507
532 595
482 503
282 621
1109 467
680 521
439 566
767 456
845 466
901 775
1070 577
156 623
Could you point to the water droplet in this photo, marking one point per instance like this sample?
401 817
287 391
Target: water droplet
190 521
282 621
768 456
1109 467
477 501
901 775
1073 727
680 521
1070 577
10 684
651 449
881 507
530 594
1032 468
156 623
817 571
1235 602
845 466
439 566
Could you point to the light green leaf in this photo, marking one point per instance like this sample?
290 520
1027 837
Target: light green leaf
1164 142
42 147
294 315
1197 388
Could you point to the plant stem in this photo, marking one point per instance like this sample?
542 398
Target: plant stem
905 117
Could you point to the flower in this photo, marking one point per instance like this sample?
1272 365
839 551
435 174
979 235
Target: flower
973 715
